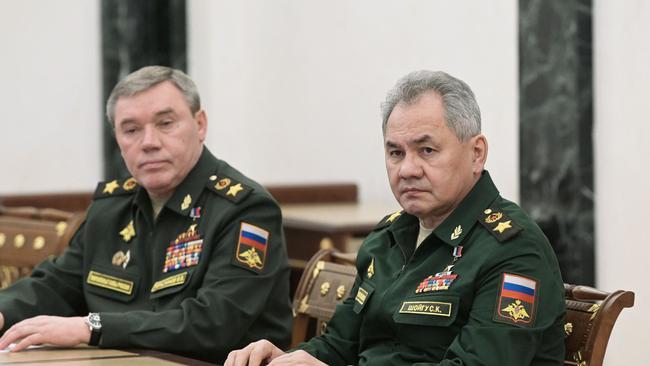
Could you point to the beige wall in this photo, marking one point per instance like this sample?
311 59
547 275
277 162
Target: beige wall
49 95
622 147
292 88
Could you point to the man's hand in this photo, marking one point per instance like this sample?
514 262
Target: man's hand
55 330
296 358
255 354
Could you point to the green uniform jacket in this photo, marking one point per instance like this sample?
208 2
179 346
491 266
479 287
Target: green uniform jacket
208 276
501 303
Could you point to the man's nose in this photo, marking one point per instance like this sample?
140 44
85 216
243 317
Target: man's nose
150 138
411 167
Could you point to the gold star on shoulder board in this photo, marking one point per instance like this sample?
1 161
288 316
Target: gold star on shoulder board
503 226
395 215
111 186
232 191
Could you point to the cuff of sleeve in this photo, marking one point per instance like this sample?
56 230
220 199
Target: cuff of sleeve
115 330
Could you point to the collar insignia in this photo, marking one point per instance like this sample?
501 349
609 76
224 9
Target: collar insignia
128 232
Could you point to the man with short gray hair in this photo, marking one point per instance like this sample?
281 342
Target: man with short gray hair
460 275
185 256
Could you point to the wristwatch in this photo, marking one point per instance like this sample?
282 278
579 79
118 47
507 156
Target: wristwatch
94 323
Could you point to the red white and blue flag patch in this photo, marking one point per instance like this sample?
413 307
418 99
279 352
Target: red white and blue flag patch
517 300
252 245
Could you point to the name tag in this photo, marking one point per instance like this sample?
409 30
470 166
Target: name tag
435 308
110 282
172 281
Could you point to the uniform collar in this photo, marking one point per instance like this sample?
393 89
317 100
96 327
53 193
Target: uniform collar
187 193
461 221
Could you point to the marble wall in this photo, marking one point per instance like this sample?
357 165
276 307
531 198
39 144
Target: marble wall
137 34
556 122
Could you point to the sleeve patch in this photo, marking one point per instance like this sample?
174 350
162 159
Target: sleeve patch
252 246
517 300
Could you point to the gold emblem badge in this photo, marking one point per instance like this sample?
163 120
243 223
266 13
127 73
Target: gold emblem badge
324 288
235 189
121 259
129 184
128 232
503 226
371 268
516 310
187 201
251 258
110 187
225 182
494 217
457 231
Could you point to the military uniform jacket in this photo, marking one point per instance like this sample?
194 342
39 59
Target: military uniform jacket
483 289
208 276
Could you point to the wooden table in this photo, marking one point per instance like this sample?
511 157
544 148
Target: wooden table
314 226
91 356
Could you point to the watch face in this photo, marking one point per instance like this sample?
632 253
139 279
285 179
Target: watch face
94 320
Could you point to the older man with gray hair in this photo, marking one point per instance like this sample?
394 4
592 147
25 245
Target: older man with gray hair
460 275
186 256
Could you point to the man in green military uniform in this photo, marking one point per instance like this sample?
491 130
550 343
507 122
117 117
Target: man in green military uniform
461 276
186 256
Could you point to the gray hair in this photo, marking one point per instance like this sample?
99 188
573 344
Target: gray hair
461 110
147 77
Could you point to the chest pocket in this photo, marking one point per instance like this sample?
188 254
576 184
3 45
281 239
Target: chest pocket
171 284
111 283
362 296
437 310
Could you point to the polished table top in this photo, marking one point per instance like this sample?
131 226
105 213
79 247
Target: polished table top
336 216
81 356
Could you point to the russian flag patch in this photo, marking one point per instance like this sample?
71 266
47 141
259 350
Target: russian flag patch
517 300
251 246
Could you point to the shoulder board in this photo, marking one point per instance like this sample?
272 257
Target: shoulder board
499 224
229 189
387 220
115 188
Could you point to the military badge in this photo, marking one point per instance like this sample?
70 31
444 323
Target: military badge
233 190
128 232
121 259
516 302
187 201
111 186
195 213
184 251
223 183
252 245
441 281
129 184
371 268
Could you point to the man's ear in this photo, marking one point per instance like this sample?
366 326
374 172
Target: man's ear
479 147
202 120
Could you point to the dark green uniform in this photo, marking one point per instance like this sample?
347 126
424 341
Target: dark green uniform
500 303
208 276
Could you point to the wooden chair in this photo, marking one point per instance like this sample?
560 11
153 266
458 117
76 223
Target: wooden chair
326 282
590 317
30 235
